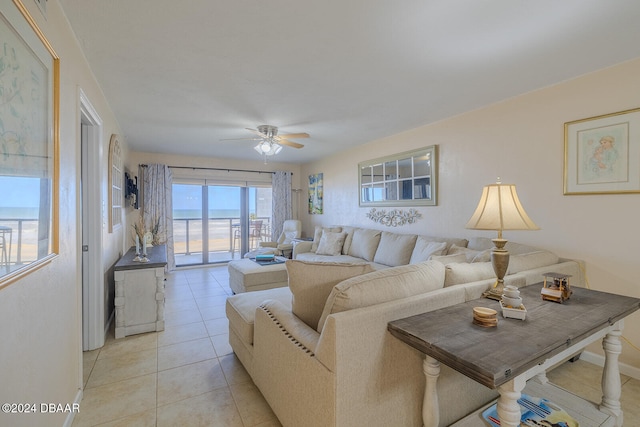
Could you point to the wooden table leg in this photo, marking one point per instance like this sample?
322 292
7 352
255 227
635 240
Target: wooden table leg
430 408
508 407
611 386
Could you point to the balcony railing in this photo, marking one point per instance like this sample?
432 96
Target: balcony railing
223 235
18 242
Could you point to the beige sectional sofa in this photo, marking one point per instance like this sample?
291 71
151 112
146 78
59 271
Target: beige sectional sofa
319 349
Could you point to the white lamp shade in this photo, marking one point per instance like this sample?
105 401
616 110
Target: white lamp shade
500 209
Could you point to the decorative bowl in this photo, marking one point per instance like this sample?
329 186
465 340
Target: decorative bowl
515 313
511 291
513 302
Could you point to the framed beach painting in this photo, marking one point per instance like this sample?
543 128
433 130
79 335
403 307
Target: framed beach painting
29 129
315 193
602 154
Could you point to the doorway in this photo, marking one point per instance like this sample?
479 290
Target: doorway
217 223
93 310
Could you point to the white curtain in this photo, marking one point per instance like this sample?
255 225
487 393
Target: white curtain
157 206
281 205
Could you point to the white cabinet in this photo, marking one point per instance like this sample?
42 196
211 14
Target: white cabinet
139 292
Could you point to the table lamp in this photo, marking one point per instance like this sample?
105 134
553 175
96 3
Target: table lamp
500 209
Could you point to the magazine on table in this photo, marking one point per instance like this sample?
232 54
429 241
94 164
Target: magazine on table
535 412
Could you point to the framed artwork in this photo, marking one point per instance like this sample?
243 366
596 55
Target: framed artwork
602 154
315 193
29 132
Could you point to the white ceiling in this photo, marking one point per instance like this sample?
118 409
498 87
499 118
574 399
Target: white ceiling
181 75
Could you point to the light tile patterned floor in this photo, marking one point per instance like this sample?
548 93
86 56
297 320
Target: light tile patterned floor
187 375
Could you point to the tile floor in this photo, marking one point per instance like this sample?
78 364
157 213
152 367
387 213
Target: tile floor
187 374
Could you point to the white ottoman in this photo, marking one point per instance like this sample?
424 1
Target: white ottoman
246 276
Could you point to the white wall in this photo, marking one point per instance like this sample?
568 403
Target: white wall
522 141
40 315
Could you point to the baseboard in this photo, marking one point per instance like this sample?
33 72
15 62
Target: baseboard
72 414
596 359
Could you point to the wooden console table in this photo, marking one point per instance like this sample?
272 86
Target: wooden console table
506 356
139 299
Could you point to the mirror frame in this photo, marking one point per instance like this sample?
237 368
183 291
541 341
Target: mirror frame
430 151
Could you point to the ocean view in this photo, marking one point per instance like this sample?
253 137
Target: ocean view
213 213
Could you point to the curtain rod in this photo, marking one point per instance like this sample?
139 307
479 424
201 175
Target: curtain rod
215 169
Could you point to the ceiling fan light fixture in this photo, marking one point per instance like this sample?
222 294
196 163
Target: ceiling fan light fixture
268 149
265 146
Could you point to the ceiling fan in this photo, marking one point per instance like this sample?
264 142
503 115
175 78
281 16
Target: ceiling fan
270 142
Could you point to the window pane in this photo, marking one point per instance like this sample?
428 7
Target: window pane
378 192
25 215
391 190
390 170
422 189
378 173
187 223
422 166
404 168
365 175
407 190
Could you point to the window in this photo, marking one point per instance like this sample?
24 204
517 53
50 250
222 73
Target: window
405 179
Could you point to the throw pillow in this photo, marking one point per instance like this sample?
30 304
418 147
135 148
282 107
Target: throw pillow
382 286
394 249
311 283
365 242
317 235
424 249
331 243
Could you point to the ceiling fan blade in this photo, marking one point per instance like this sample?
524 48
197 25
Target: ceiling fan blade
241 139
288 143
294 135
257 132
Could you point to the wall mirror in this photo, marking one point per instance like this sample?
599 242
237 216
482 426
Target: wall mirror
405 179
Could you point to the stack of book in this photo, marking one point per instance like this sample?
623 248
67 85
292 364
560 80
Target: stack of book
265 257
535 412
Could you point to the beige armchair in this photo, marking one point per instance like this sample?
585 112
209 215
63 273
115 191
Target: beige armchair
291 229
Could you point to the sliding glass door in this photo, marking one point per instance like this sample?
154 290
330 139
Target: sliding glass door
217 223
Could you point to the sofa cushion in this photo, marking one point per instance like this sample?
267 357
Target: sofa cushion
458 273
331 243
317 235
449 259
364 243
383 286
426 248
394 249
483 243
341 259
472 255
531 260
311 283
241 309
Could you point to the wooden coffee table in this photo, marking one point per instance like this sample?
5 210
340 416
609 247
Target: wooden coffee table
506 356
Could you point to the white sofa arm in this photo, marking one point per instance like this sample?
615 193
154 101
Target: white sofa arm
301 247
296 329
